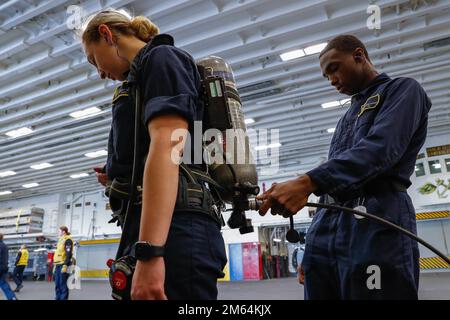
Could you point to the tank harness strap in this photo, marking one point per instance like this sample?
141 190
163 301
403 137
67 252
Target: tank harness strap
197 191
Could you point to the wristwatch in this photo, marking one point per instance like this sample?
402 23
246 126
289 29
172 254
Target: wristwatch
144 251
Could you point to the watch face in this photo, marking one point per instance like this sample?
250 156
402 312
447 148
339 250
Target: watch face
140 250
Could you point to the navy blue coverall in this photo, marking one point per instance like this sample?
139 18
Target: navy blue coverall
371 158
170 84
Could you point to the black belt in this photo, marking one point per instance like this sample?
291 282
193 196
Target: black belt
374 187
381 186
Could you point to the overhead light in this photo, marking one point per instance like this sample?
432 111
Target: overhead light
79 175
249 121
294 54
276 240
85 112
2 193
437 165
30 185
417 168
317 48
96 154
40 166
335 103
273 145
7 174
19 132
331 130
331 104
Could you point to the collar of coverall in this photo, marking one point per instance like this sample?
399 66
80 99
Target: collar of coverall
382 77
160 39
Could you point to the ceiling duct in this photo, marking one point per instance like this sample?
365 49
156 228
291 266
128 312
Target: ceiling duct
437 43
263 94
256 86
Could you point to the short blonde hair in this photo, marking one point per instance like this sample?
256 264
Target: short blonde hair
120 23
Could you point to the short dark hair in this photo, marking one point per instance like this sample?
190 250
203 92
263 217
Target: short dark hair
345 43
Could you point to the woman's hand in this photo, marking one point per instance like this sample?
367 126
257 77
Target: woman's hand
148 280
102 177
300 274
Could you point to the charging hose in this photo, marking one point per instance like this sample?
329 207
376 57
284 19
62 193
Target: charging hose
383 221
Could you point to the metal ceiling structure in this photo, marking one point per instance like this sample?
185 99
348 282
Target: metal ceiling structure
44 75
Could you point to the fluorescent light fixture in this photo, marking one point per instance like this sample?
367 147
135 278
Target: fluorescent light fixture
40 166
331 104
19 132
417 168
96 154
437 165
79 175
331 130
317 48
335 103
294 54
249 121
7 174
276 240
85 112
30 185
272 145
2 193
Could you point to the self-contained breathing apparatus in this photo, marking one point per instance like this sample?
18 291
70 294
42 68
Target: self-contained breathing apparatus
205 191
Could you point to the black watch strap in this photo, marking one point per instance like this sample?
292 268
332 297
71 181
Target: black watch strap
144 251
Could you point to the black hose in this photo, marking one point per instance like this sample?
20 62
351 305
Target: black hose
383 221
135 173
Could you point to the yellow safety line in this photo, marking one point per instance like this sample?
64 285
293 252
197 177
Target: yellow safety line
100 241
104 273
433 263
433 215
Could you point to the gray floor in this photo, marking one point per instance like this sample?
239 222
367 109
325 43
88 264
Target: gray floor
432 286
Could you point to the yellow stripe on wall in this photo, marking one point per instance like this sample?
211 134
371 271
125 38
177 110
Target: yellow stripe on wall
226 270
433 263
95 273
100 241
433 215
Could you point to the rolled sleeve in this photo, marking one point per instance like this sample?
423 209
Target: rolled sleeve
181 105
170 83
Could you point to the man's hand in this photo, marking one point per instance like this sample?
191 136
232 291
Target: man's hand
292 195
102 177
148 280
64 269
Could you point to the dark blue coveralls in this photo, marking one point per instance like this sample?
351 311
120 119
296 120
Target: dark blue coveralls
170 84
371 158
